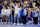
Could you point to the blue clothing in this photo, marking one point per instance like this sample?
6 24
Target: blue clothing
38 7
24 7
34 14
31 14
0 11
21 12
3 0
36 0
39 4
39 17
27 13
0 19
30 3
22 0
0 1
1 7
39 13
39 22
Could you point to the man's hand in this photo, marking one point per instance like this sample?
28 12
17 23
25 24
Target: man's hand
12 9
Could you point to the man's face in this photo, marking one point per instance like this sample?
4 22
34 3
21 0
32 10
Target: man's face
31 0
3 7
24 5
38 5
33 9
22 8
15 3
8 7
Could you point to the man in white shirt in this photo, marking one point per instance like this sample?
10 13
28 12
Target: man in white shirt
8 13
16 13
3 12
35 16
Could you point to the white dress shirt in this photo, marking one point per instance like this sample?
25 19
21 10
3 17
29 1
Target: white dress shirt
16 9
8 12
3 12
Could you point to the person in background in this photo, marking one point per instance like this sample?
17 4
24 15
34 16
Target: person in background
29 14
33 4
9 13
26 2
4 3
13 14
22 3
1 4
37 2
3 12
24 14
39 15
30 4
35 16
38 6
32 14
21 14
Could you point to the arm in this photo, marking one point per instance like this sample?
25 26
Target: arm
28 2
13 9
2 11
13 4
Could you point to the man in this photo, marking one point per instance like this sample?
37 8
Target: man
0 9
9 12
29 14
33 4
1 4
13 14
3 12
23 15
30 4
39 15
16 13
37 2
35 16
32 15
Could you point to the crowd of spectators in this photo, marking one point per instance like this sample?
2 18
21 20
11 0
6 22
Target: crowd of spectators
23 10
